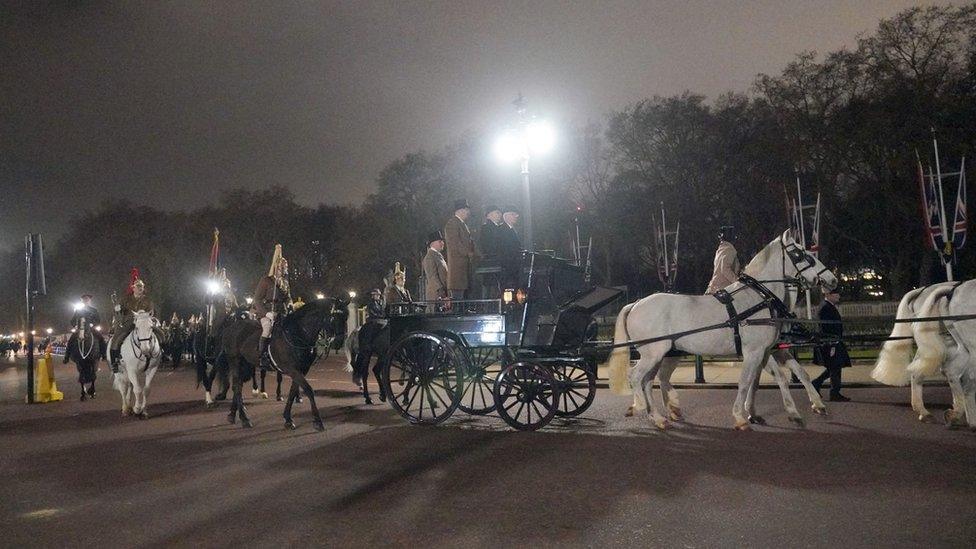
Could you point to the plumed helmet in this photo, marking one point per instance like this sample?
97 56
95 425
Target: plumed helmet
398 270
134 280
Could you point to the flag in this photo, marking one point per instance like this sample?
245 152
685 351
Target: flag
931 210
215 254
960 220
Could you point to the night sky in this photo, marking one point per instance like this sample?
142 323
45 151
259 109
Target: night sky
167 103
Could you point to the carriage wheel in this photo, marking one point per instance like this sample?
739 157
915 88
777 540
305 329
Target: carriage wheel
526 396
482 368
577 388
422 378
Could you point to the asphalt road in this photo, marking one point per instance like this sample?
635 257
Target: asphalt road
78 474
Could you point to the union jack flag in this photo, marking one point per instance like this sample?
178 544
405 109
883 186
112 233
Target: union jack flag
960 219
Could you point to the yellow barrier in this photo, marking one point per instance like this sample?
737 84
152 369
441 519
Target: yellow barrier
47 388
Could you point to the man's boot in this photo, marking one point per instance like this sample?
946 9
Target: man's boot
264 354
116 360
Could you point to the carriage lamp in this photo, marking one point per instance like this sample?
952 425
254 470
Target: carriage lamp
508 296
320 295
213 287
49 331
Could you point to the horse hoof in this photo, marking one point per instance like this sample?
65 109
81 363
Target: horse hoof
820 411
742 427
369 400
144 415
675 414
264 395
926 418
211 405
232 419
661 424
246 423
254 392
84 397
798 421
757 420
279 398
290 425
319 426
629 412
953 420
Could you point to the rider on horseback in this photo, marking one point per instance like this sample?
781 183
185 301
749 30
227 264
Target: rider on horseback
135 299
726 264
272 297
87 312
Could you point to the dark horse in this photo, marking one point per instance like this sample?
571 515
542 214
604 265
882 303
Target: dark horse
292 348
208 365
361 351
85 351
173 344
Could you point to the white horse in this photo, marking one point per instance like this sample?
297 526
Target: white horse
141 353
665 315
950 351
778 360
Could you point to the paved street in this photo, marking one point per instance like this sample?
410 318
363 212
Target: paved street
78 474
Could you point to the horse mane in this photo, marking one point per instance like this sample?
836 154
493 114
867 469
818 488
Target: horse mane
755 267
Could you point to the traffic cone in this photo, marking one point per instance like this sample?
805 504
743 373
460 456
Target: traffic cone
47 388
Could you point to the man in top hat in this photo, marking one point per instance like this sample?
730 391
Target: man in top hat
488 234
84 310
726 264
509 248
272 297
460 251
135 299
435 269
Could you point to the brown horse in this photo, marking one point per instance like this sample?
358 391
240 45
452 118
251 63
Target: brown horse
292 352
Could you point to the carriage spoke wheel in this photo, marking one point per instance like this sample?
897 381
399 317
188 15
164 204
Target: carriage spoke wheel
422 378
577 388
482 368
526 396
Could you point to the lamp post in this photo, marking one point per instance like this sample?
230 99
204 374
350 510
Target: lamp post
531 137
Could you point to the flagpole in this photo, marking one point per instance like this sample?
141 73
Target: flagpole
946 237
664 245
803 238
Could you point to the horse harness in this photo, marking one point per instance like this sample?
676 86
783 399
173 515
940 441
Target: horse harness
770 302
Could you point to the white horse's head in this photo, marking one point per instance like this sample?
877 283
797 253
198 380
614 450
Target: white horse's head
143 331
802 265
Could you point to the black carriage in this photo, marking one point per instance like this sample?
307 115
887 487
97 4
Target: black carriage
522 355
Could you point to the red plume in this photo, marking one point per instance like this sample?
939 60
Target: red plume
133 276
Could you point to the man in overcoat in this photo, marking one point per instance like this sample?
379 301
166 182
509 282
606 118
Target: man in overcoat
436 272
832 355
509 247
460 251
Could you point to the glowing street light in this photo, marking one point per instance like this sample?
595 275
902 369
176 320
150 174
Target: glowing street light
49 331
320 295
213 287
352 294
78 306
532 137
249 300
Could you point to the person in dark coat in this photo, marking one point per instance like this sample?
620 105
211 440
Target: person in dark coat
87 313
488 234
833 355
509 247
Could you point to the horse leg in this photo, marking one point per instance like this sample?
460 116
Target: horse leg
84 395
300 378
377 373
784 388
642 377
292 392
917 403
751 364
815 401
278 389
264 393
236 386
254 384
668 392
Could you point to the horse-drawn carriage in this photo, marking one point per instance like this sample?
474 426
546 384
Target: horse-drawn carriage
524 355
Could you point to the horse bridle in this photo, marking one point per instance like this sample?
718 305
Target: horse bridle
797 254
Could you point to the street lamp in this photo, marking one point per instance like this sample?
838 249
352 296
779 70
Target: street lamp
320 295
531 137
49 331
352 294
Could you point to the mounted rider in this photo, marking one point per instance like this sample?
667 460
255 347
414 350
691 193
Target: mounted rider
726 264
135 299
87 313
272 297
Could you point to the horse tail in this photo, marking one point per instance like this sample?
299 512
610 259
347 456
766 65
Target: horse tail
892 365
619 361
928 335
351 350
